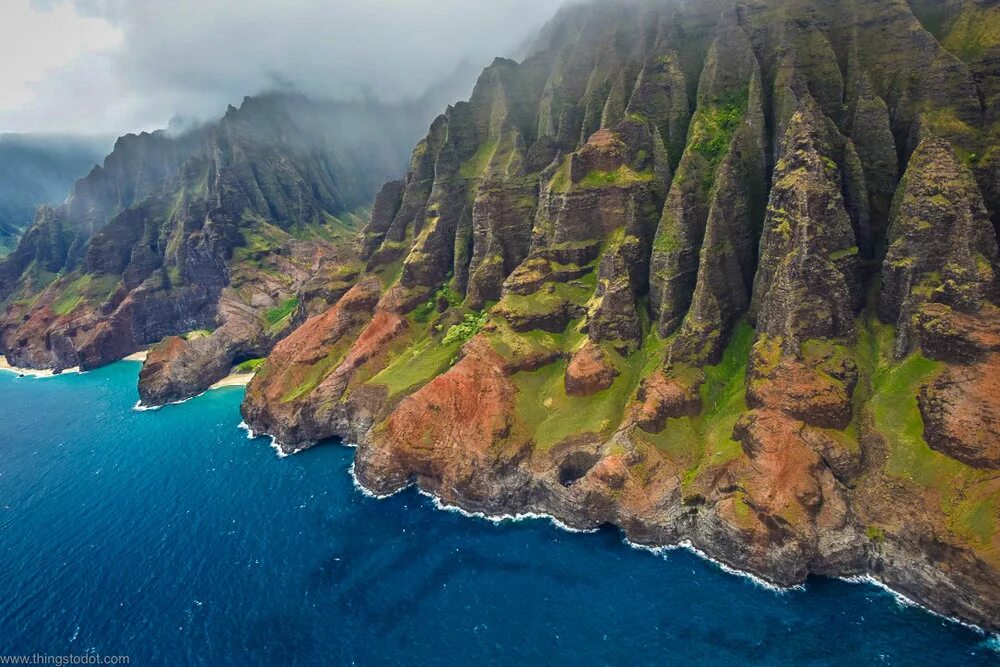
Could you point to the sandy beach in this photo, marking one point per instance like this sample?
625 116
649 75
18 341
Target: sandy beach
233 380
31 372
139 356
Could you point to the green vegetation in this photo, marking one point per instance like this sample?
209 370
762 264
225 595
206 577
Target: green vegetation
897 417
511 345
621 177
469 326
974 32
249 366
425 311
967 497
552 415
560 180
476 166
417 365
713 127
705 441
277 315
550 298
875 534
846 252
87 288
544 408
316 374
196 334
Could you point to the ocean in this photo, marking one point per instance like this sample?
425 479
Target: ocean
171 537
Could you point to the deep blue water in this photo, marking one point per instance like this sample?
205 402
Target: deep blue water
170 537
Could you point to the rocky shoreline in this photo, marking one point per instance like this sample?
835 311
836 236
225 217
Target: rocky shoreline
903 572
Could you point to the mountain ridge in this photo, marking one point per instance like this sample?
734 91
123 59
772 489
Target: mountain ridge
678 271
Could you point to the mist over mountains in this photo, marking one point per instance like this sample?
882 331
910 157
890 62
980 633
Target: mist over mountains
139 63
40 169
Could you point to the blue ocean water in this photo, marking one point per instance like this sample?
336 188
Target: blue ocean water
170 537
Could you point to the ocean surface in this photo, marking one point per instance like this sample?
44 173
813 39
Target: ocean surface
171 537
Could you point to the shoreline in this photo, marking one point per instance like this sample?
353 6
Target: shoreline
33 372
233 380
993 639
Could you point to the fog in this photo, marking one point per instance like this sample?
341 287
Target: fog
113 66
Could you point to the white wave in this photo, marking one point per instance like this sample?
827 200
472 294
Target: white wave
253 435
728 569
361 487
503 518
139 407
440 505
902 600
243 426
37 374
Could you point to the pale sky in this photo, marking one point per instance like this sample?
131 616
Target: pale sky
113 66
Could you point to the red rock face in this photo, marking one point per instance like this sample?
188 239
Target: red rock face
961 411
590 371
802 391
664 397
294 357
451 432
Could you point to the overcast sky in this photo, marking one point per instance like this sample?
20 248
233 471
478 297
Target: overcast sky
114 66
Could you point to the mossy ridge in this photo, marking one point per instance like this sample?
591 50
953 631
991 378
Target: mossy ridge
560 181
514 346
973 33
275 317
704 441
711 133
87 288
887 392
622 177
417 365
315 374
549 298
434 342
475 167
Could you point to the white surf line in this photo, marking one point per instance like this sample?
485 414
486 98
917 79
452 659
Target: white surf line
503 518
445 507
36 374
688 546
364 491
139 407
252 435
993 640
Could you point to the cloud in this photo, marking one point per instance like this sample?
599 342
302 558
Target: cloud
123 65
35 40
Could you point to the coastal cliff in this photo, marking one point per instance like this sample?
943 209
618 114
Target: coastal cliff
211 244
721 273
